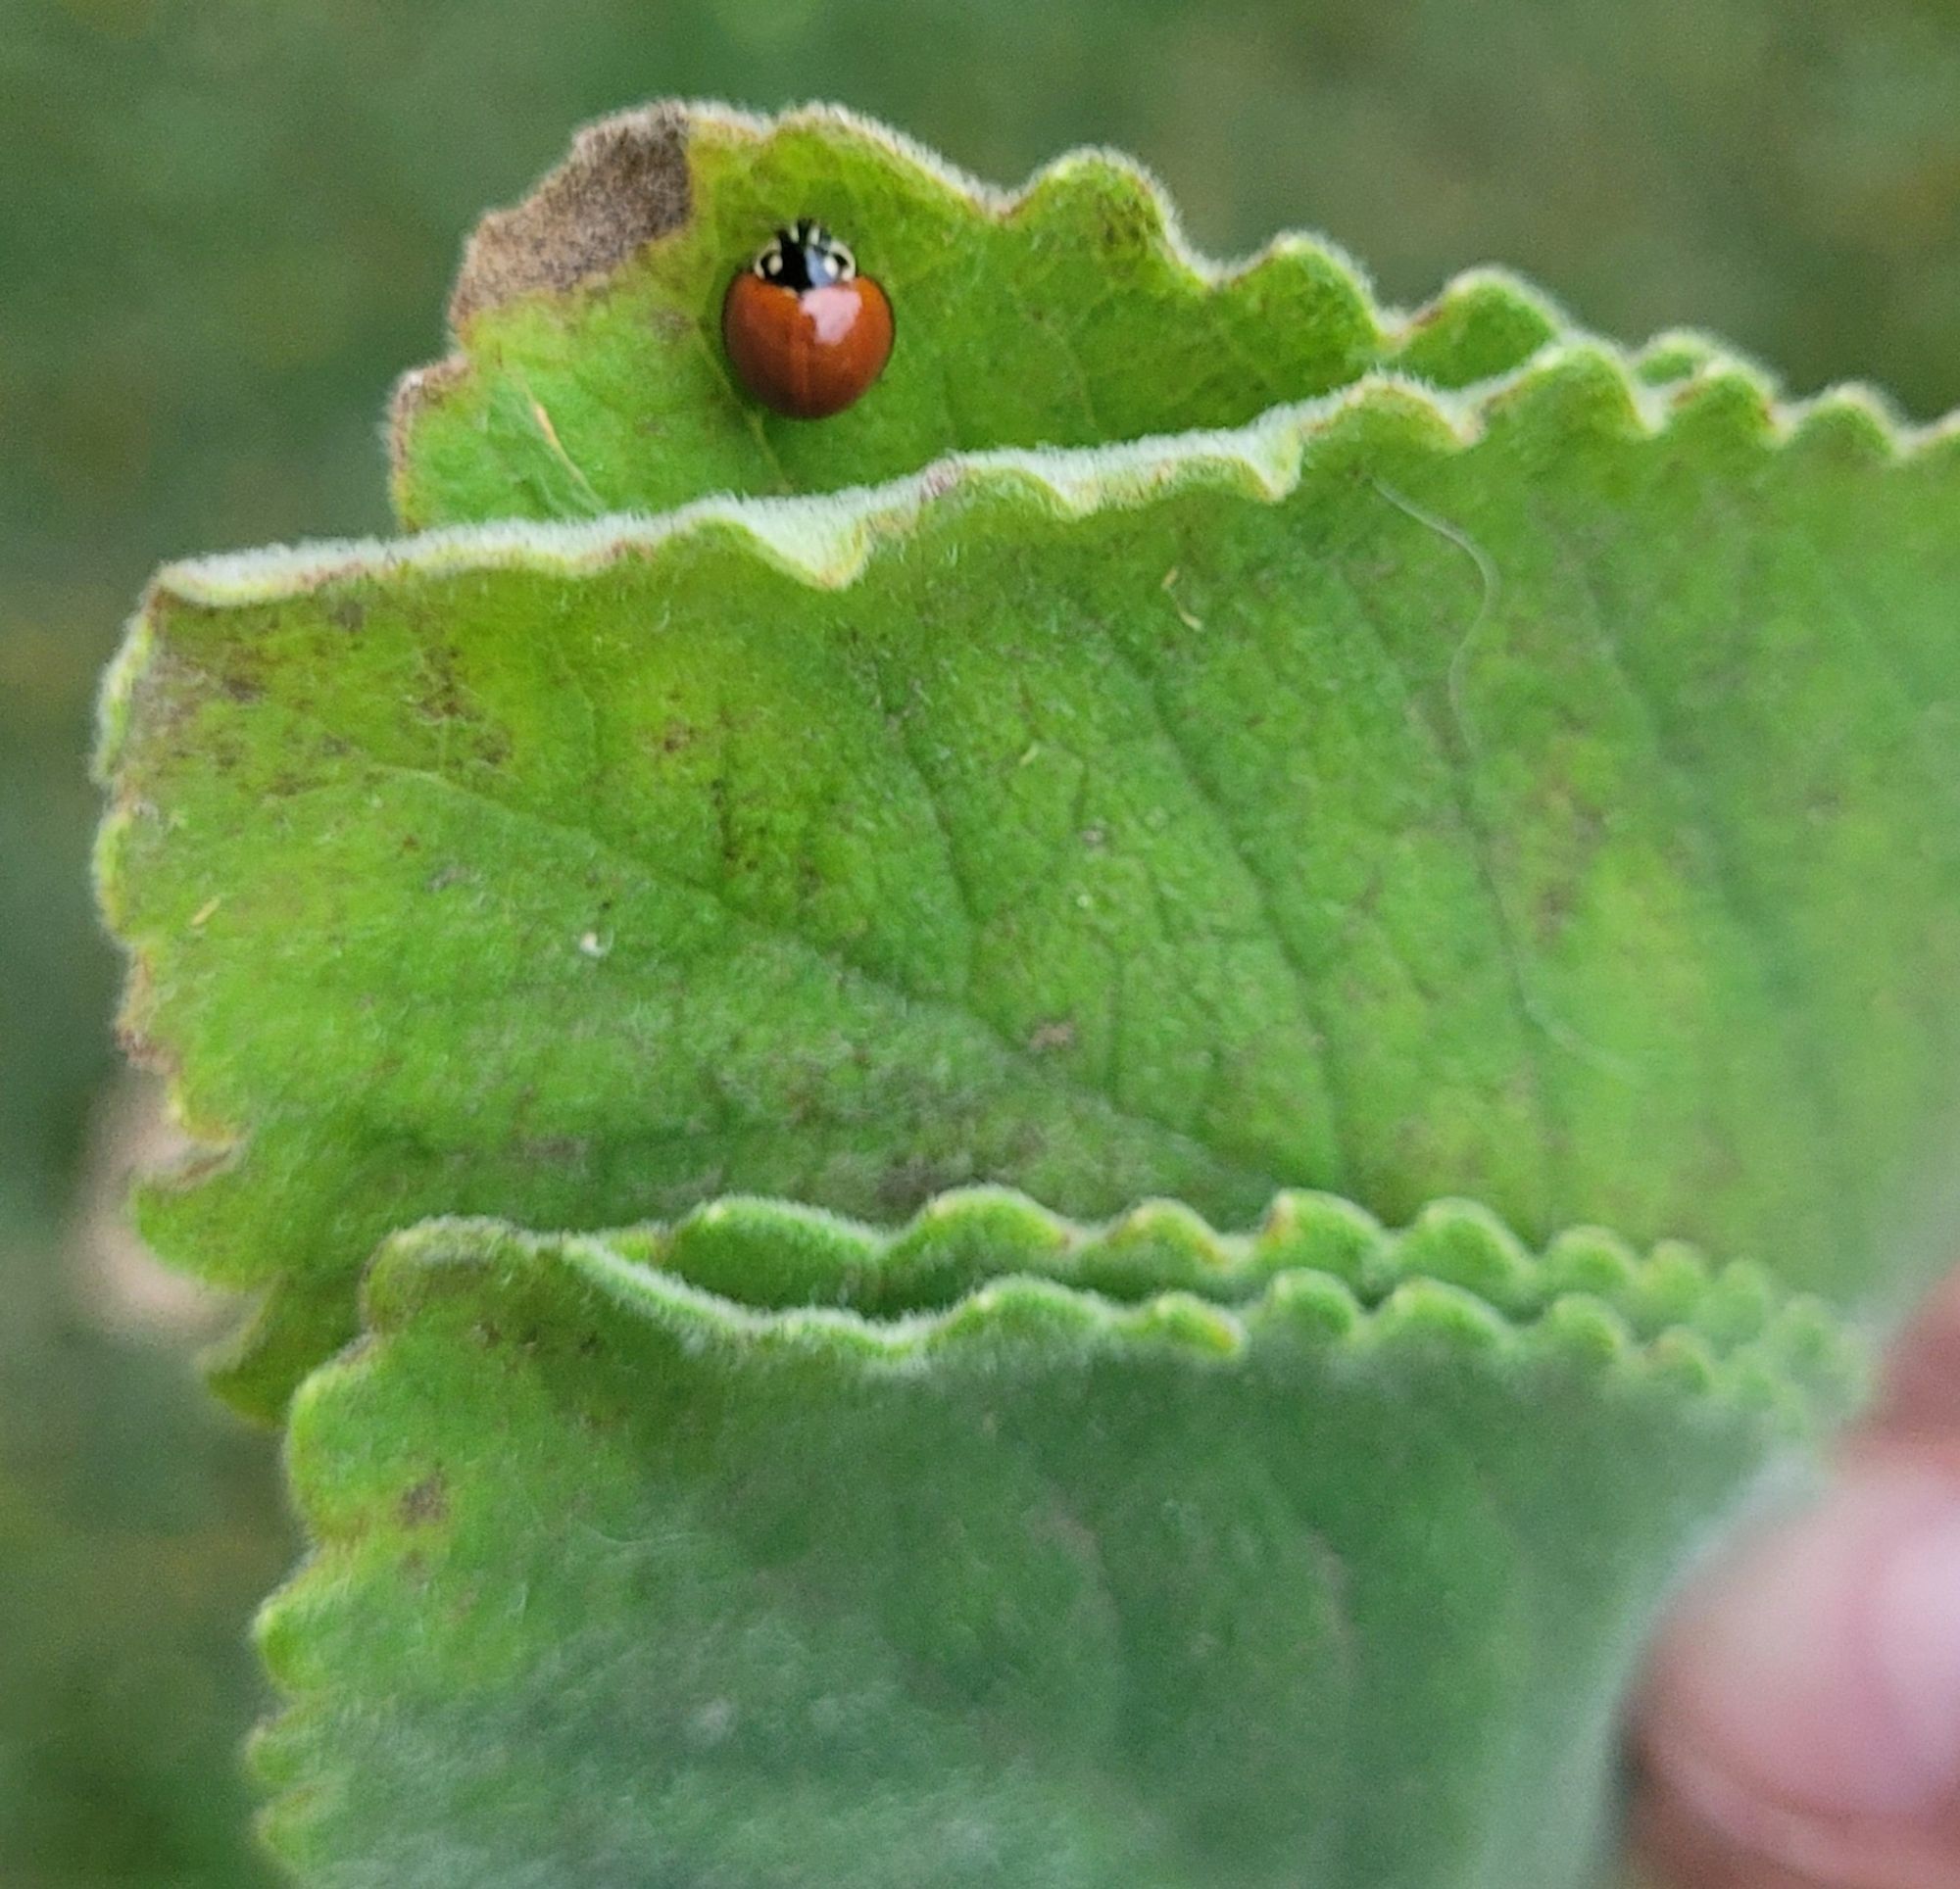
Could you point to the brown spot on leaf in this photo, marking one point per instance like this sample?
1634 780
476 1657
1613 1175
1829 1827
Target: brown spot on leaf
1058 1034
442 699
624 183
1131 223
423 1504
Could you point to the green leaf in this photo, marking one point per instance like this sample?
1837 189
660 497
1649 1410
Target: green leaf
1545 798
591 376
1508 769
1320 1567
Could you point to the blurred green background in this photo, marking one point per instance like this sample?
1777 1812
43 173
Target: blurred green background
225 227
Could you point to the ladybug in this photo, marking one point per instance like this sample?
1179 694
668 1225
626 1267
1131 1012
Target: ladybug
806 332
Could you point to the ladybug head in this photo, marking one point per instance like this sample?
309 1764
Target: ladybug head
805 255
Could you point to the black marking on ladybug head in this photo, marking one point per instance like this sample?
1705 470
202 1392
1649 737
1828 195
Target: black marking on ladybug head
805 255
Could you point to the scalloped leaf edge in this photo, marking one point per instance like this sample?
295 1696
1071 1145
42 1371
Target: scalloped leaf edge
1003 1271
625 183
1784 1382
826 540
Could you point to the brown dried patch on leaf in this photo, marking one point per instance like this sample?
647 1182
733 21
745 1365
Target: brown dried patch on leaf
624 183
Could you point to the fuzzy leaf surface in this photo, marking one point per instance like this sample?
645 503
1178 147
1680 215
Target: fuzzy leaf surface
1319 1568
1548 799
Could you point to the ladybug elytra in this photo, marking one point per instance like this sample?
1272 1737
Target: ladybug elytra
806 332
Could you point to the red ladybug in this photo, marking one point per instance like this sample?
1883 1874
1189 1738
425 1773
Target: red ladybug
808 334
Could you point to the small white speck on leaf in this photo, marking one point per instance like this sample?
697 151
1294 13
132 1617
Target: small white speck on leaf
592 945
